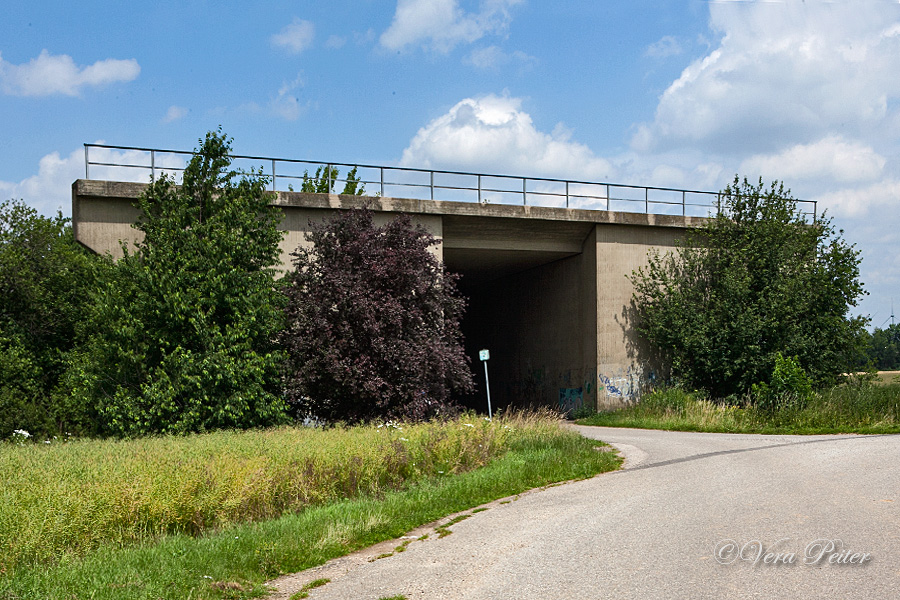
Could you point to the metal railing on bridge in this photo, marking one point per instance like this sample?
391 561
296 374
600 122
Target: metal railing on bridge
130 163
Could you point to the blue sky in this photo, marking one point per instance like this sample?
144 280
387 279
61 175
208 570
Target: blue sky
668 93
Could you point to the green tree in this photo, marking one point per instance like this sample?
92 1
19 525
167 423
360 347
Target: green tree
372 323
181 337
884 348
326 177
45 280
788 387
755 281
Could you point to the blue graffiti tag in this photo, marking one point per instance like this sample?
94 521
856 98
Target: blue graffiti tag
610 388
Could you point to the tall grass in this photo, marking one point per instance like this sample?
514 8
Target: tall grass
70 498
843 409
234 561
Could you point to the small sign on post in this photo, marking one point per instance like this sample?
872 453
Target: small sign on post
485 355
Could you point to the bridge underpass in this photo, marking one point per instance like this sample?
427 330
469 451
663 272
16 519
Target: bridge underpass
547 287
523 279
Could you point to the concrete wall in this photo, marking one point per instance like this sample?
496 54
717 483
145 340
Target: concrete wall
103 213
549 290
624 362
297 219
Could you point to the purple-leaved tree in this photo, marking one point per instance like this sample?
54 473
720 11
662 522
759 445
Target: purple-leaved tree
373 324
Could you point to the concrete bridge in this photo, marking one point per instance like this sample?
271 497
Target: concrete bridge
548 286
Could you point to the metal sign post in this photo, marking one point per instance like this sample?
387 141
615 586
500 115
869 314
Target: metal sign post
485 356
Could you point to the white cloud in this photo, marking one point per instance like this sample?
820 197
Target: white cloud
493 134
871 220
858 203
664 47
829 158
487 58
364 38
783 71
794 91
804 92
493 58
296 37
175 113
441 25
49 74
286 104
51 188
335 42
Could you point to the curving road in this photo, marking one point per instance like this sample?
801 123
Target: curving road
824 509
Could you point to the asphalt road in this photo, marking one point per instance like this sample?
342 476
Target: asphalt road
824 510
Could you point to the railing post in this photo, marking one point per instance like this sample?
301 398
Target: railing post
153 165
328 171
479 189
273 174
646 201
381 174
567 194
524 192
431 173
683 203
87 167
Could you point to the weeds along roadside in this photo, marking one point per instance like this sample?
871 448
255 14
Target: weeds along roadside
87 501
843 409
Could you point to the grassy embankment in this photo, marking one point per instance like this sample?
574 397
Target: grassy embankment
844 409
216 515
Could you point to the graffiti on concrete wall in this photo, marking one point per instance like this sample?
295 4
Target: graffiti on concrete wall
626 385
570 399
614 385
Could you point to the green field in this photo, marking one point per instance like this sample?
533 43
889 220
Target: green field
887 377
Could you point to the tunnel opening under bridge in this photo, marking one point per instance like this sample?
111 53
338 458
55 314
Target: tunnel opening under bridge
531 303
